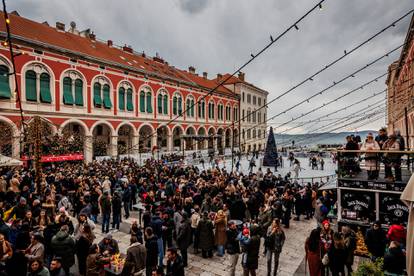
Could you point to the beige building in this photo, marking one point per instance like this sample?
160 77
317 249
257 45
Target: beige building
253 123
400 92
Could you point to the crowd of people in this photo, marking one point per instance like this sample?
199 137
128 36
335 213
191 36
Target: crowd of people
50 230
392 160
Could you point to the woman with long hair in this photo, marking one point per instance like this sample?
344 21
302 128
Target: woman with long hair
82 247
313 252
36 268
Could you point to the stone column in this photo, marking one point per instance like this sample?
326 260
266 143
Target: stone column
170 143
16 147
88 149
113 147
135 145
154 139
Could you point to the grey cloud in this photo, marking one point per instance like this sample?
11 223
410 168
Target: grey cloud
193 6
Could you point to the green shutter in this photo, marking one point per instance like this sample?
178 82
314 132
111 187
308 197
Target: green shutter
165 104
130 105
5 92
31 94
192 108
203 109
159 103
149 102
121 98
97 99
106 96
187 107
142 101
79 92
67 91
45 95
174 105
180 105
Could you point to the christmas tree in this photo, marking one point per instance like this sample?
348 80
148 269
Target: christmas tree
270 157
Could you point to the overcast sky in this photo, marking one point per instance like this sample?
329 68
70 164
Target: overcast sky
217 36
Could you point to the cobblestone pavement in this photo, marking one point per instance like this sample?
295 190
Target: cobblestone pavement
290 259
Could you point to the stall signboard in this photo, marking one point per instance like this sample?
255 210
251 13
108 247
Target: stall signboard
392 209
358 205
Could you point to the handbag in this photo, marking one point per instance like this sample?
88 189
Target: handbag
325 259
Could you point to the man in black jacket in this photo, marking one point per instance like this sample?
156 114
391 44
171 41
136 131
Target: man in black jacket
233 246
116 210
376 240
184 237
175 266
152 250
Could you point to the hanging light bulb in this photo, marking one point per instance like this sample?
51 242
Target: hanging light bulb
296 27
320 7
7 20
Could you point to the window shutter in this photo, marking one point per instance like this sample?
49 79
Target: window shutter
180 105
130 105
5 92
165 104
79 92
142 101
67 91
159 103
174 105
31 94
121 98
106 96
187 107
149 102
97 99
45 95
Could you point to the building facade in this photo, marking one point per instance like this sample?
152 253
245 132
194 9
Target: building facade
117 100
400 90
253 112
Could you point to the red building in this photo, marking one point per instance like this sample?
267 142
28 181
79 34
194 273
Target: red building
119 101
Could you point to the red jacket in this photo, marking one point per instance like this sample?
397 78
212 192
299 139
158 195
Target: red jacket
397 233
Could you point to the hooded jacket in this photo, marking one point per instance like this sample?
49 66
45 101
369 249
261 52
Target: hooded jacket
63 246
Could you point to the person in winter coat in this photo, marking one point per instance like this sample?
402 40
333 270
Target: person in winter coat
313 252
126 199
156 225
105 204
108 246
152 251
220 223
95 261
371 159
326 237
184 237
394 260
350 246
233 246
195 219
135 259
82 220
116 210
6 253
251 248
275 238
63 246
83 244
376 240
175 266
337 255
206 234
36 268
56 267
36 250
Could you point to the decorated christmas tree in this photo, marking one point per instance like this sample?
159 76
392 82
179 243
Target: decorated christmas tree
270 157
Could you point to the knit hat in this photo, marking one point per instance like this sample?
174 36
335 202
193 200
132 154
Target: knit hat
325 222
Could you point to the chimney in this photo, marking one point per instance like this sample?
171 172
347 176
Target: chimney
127 49
109 43
205 75
92 36
60 26
219 77
241 76
191 69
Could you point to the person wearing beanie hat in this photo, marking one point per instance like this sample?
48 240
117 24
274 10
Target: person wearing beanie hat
326 241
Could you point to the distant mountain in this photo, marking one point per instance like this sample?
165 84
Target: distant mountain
318 138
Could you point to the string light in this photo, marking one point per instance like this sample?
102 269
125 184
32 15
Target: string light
296 27
7 20
320 6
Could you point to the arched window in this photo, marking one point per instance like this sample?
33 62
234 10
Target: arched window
4 82
142 101
102 93
235 114
31 93
190 107
220 110
149 102
177 105
165 103
201 109
45 96
72 85
121 98
211 110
